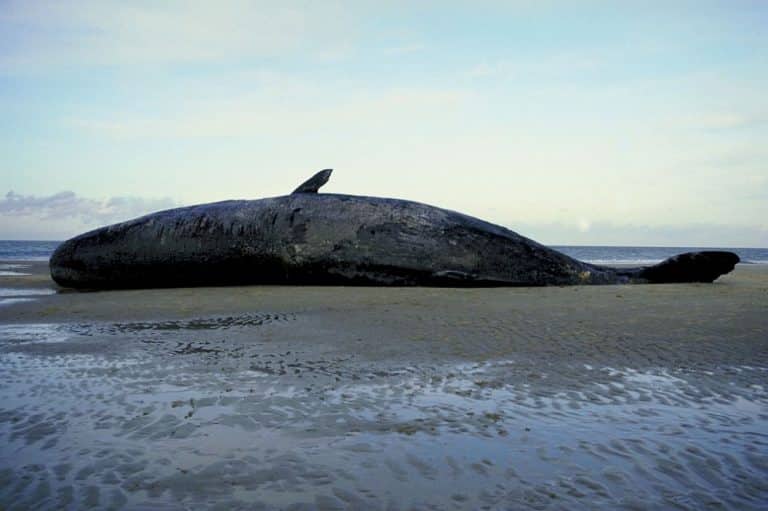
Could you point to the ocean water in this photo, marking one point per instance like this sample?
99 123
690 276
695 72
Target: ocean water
652 255
15 250
42 250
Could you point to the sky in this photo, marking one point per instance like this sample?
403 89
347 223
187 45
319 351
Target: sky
570 122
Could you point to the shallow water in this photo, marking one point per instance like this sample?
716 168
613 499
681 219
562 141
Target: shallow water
242 412
11 292
11 296
12 301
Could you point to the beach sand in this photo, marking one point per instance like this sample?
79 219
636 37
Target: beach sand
260 397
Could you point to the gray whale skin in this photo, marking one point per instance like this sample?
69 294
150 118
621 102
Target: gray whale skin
313 238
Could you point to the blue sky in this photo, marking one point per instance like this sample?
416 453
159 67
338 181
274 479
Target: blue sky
571 122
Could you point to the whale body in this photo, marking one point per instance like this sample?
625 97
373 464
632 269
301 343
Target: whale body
316 238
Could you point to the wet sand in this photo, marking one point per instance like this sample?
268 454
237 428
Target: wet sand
609 397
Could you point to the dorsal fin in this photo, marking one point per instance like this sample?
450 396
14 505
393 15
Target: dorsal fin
313 184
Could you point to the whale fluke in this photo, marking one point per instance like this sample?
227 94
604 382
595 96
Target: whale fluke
703 266
313 184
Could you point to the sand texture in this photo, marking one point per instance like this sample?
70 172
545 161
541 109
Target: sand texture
607 397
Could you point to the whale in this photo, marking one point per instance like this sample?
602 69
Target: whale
313 238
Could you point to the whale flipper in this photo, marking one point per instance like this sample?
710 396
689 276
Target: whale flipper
313 184
703 266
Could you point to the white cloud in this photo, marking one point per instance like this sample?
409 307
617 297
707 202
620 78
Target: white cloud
68 206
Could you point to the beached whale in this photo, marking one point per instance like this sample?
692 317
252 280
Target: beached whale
312 238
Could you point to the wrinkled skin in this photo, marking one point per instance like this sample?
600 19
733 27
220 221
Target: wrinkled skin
311 238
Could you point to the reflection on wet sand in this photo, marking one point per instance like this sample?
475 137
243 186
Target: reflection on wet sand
178 416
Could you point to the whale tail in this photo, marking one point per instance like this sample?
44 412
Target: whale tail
703 266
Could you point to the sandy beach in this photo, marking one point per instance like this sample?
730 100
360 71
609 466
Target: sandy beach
603 397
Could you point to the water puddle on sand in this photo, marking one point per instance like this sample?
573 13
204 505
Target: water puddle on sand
11 301
6 292
147 428
10 296
11 270
46 333
37 333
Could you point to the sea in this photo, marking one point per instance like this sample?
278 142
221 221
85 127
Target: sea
42 250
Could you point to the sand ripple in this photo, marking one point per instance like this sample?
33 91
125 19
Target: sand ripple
240 412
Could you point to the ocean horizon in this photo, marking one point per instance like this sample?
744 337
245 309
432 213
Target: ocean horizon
40 250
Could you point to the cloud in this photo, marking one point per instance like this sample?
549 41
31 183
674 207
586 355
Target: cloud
68 206
540 66
65 214
275 112
734 121
112 32
404 49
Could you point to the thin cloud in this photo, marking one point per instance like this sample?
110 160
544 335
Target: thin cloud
404 49
68 205
268 113
541 66
110 32
734 121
